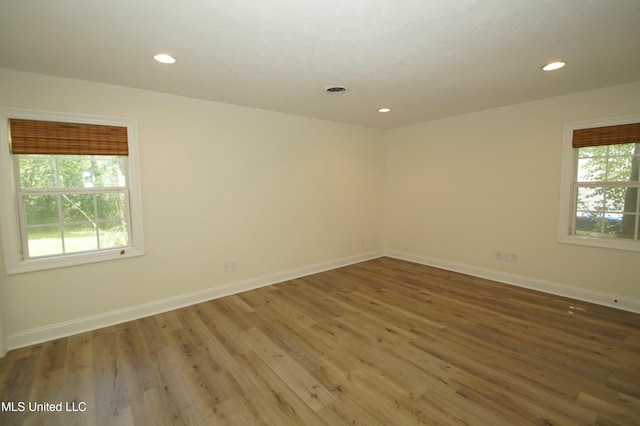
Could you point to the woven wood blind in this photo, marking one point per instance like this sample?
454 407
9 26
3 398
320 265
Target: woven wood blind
53 137
609 135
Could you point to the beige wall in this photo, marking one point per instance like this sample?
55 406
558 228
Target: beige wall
276 192
271 191
460 188
3 346
3 301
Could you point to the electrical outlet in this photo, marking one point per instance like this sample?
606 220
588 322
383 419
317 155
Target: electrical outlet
504 256
230 266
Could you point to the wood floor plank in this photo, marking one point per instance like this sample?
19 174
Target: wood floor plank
293 374
275 401
291 337
382 342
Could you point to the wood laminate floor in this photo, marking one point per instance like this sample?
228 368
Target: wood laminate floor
383 342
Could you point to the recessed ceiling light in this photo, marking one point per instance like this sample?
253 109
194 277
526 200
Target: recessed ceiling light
164 58
384 110
553 66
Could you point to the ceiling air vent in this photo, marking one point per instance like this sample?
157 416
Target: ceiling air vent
335 90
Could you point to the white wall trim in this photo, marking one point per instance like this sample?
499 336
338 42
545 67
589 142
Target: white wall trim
93 322
605 299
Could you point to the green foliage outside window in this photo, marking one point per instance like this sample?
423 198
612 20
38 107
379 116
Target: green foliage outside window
73 203
607 193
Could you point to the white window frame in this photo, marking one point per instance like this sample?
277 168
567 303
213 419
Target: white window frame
9 216
567 194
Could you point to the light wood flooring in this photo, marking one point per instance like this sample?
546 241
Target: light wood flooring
383 342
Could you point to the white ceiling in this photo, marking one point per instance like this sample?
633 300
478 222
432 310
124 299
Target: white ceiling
425 59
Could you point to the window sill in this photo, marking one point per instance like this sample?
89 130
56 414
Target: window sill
44 263
614 244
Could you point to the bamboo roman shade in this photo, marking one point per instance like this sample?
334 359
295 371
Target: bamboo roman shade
54 137
609 135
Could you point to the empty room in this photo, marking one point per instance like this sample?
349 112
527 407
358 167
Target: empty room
319 213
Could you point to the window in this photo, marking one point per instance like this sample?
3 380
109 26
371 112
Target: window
70 190
600 205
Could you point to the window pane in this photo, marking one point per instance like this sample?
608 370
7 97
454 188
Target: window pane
91 172
598 225
80 237
75 172
36 172
113 234
614 199
592 170
78 208
621 149
109 172
44 241
588 223
619 169
111 206
593 151
613 163
41 209
590 199
631 200
612 223
628 226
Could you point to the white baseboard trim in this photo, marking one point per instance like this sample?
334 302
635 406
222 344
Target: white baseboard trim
93 322
610 300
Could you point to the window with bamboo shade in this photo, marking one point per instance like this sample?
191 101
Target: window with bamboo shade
601 174
75 189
